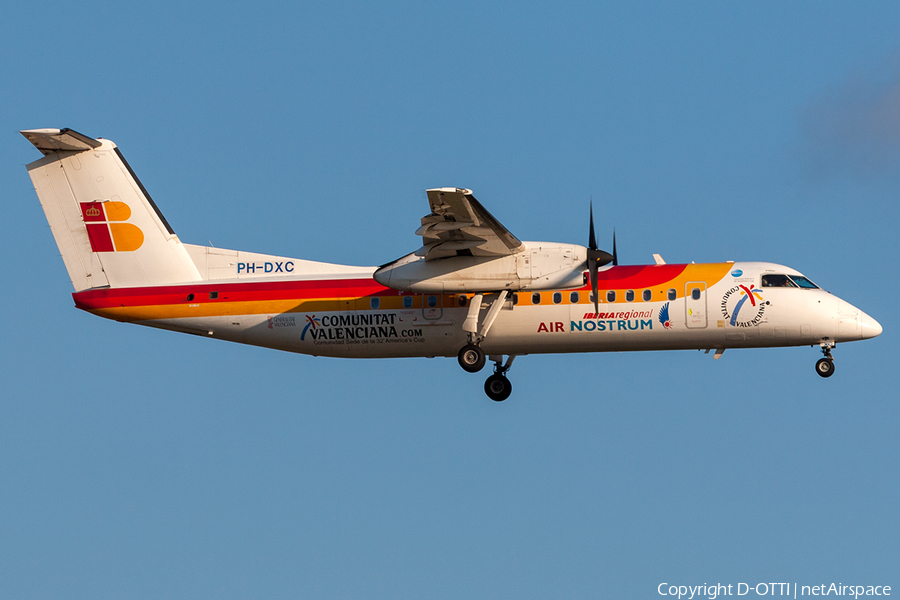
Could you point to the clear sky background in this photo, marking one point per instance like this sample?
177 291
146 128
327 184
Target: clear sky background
137 463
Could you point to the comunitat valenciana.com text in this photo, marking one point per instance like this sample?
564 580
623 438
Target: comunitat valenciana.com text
791 590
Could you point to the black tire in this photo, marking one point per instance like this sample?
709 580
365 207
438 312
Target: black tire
825 367
498 388
471 358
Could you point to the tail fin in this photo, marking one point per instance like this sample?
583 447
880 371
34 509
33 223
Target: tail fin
108 229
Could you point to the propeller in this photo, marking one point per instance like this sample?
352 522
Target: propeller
615 254
597 258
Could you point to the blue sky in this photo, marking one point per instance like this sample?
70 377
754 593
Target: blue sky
137 463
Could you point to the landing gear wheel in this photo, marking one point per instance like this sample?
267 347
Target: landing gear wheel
471 358
825 367
497 387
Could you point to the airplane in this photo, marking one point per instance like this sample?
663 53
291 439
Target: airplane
472 290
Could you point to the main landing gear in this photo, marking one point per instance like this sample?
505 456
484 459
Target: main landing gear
498 387
471 357
825 366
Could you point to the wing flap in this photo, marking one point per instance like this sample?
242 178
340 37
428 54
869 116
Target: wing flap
458 223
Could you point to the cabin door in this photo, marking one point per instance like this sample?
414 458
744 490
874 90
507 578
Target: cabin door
695 304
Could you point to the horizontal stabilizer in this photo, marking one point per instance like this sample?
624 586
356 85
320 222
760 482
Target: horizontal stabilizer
53 140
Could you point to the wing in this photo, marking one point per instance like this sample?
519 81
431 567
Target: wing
460 226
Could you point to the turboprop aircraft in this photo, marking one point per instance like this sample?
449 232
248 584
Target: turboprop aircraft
473 290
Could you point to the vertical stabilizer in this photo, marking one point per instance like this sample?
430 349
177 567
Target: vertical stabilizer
108 229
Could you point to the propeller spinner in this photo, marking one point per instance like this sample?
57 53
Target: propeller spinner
597 258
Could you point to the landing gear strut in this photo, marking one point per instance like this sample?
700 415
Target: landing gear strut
471 356
825 366
498 387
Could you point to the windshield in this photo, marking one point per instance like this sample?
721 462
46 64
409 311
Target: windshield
803 282
792 281
777 281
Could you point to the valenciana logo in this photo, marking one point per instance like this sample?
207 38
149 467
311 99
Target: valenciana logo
311 322
735 307
106 229
371 328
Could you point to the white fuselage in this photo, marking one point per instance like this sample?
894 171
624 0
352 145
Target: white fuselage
667 307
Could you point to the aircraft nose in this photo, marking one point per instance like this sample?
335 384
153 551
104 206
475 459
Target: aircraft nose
868 326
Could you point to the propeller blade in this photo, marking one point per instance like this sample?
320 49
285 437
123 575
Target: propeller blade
596 258
615 254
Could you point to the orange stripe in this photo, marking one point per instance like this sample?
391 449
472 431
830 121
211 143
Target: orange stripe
710 273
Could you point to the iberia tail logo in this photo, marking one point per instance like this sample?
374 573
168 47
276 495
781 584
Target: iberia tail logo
106 229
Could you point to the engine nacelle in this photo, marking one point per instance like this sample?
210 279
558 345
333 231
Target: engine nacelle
539 266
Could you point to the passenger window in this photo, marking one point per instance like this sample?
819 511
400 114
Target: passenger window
573 297
672 294
375 302
629 296
557 297
407 301
515 298
535 298
777 281
462 300
695 293
432 301
647 295
611 296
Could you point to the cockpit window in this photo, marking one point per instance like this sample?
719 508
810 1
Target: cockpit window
804 282
777 281
792 281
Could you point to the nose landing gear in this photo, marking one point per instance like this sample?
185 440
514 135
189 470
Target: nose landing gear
825 366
